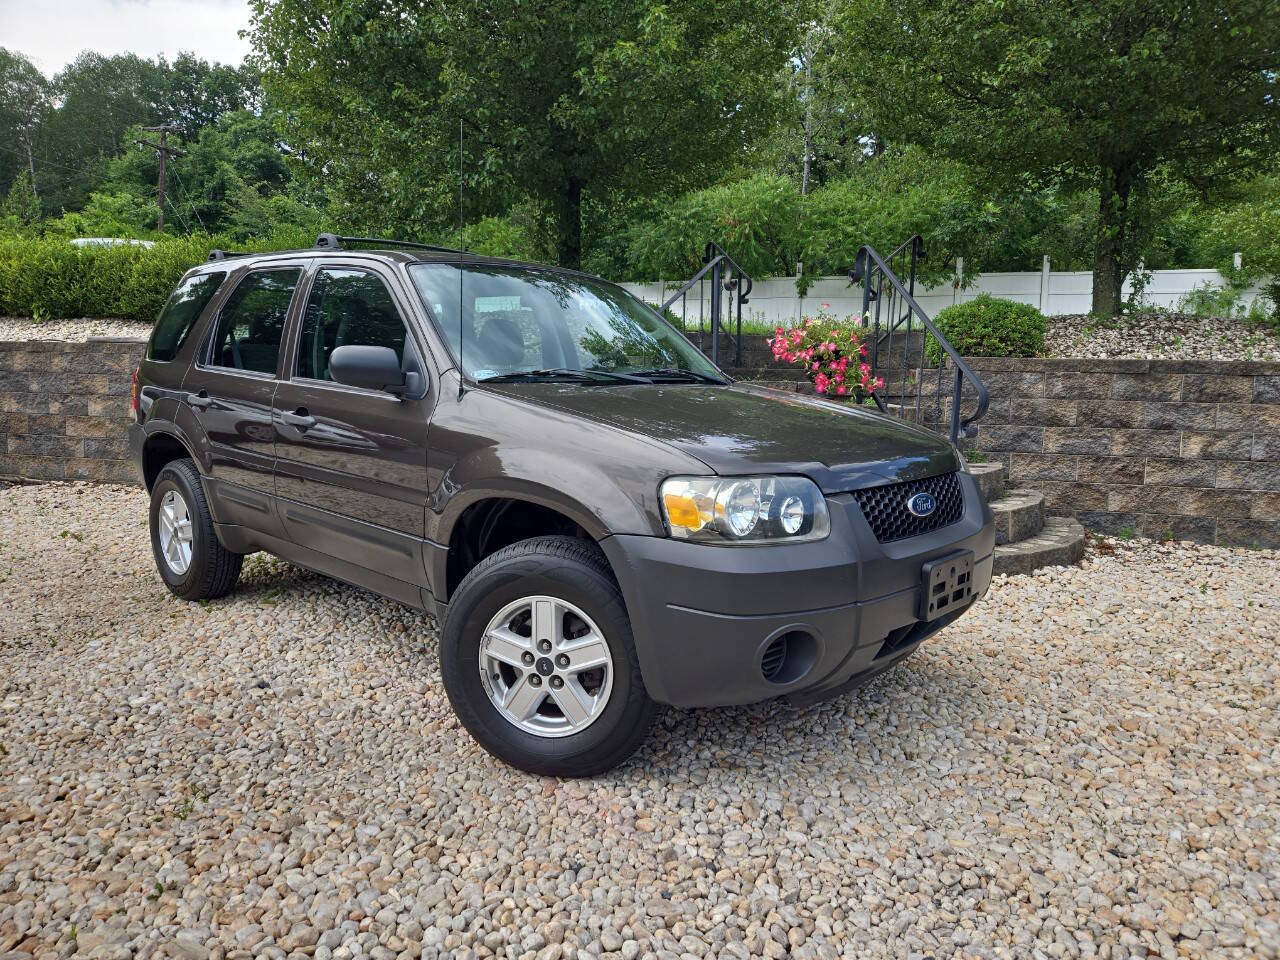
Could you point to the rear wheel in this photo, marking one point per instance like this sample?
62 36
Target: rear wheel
539 663
192 562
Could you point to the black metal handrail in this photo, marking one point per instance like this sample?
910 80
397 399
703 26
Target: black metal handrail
738 284
896 307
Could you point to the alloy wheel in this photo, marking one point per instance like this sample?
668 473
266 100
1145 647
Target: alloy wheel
174 523
546 666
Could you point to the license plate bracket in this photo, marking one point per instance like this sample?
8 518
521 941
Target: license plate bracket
946 584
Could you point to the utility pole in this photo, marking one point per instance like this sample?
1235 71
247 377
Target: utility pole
163 150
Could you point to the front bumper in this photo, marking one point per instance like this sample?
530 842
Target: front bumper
704 616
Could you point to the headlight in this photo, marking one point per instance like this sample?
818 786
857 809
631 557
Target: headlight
744 510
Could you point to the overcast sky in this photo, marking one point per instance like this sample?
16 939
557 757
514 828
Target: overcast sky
53 32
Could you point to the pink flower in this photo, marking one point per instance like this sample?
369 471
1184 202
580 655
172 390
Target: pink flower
820 383
841 390
815 366
839 378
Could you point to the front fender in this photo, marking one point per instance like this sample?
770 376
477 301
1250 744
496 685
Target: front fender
599 505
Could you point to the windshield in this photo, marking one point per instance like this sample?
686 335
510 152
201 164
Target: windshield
520 322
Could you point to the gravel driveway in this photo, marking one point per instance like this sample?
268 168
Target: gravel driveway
1089 765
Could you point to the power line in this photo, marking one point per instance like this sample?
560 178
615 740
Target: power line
191 206
178 213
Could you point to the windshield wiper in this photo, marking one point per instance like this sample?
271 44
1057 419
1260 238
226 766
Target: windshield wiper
563 373
674 373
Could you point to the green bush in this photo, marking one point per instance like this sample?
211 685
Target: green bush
990 327
49 279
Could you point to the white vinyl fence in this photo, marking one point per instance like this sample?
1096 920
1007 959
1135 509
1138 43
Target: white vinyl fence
774 300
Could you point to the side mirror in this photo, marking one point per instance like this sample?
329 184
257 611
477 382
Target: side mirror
373 368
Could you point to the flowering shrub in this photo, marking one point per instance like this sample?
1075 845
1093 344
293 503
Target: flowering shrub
831 352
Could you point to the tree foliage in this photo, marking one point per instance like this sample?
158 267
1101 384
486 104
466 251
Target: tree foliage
94 107
563 103
24 103
1105 95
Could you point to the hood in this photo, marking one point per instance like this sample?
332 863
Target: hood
743 429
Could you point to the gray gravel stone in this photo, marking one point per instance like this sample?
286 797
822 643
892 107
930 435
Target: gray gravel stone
76 331
1087 765
1160 336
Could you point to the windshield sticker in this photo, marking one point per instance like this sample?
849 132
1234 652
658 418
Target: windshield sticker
494 304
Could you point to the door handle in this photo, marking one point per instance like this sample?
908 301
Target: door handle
300 418
199 400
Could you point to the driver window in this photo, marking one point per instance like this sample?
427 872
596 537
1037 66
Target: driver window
346 306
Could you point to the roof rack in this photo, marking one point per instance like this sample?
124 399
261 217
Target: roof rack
331 241
223 254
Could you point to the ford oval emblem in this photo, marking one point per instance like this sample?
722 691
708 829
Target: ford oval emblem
922 504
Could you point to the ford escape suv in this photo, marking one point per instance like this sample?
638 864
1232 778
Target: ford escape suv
599 518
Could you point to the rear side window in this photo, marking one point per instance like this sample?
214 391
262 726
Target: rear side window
346 307
180 313
251 322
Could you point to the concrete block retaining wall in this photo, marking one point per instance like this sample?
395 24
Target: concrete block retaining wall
1188 449
64 408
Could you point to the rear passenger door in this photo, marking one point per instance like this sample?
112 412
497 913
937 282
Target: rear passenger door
351 463
230 389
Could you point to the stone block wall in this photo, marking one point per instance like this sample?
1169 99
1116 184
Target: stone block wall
64 408
1161 448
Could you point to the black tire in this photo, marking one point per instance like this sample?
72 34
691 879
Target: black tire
568 569
214 569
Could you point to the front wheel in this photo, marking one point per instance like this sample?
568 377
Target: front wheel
539 663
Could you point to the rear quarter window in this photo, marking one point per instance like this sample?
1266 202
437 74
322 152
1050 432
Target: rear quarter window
180 313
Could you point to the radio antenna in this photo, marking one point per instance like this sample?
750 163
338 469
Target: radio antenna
462 370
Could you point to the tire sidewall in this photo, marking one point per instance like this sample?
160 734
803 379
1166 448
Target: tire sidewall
171 479
479 601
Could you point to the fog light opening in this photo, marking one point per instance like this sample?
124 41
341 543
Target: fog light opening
789 656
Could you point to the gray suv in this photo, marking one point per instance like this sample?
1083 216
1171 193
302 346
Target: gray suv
598 517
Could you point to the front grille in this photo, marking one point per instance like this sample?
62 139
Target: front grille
886 507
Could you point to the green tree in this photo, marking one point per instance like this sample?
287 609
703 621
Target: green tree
107 214
818 137
99 99
21 207
565 104
103 100
196 93
24 103
1109 95
233 179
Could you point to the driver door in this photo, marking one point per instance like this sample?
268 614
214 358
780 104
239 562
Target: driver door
351 463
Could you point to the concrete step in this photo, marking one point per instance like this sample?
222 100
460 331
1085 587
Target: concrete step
990 478
1059 543
1019 514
